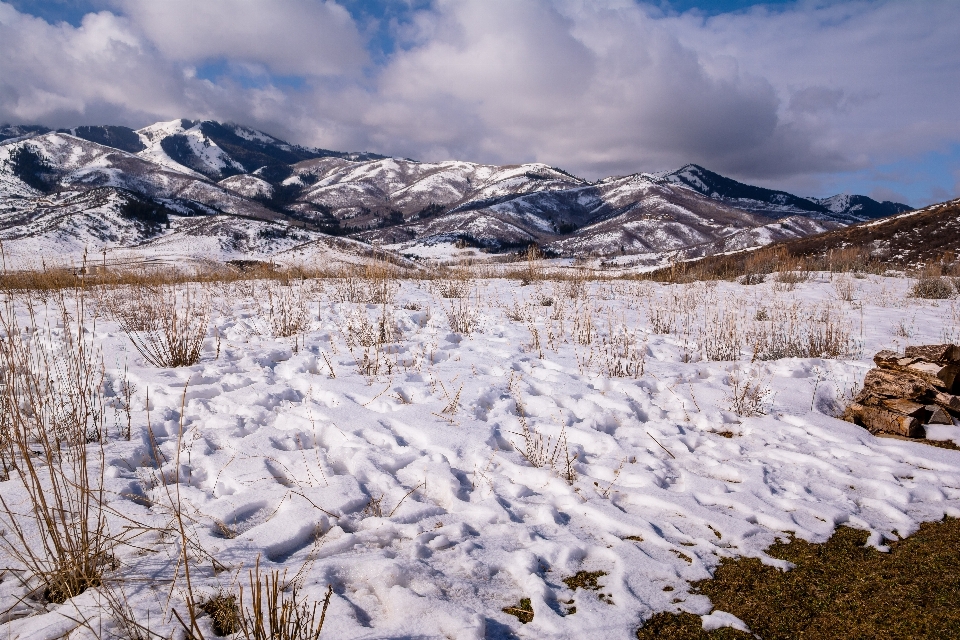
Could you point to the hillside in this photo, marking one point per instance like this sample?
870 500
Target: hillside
76 188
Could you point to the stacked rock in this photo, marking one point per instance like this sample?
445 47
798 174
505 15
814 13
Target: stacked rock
906 392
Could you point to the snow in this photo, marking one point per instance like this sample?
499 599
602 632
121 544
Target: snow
291 459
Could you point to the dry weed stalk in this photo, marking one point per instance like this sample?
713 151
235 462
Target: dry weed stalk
375 283
367 340
621 354
799 332
277 610
722 336
463 315
287 310
53 422
545 452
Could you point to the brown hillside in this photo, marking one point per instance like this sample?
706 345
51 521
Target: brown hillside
911 239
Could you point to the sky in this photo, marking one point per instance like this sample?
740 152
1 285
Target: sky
815 97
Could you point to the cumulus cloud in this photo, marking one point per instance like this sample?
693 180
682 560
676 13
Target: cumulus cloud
289 37
597 86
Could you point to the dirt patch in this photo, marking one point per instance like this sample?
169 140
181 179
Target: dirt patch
837 590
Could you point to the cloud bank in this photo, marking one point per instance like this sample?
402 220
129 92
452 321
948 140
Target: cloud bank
596 86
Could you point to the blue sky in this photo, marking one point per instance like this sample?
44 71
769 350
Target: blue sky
815 96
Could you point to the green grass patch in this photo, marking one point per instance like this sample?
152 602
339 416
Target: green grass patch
837 590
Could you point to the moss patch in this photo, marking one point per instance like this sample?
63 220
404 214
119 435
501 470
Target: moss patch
523 611
838 590
585 580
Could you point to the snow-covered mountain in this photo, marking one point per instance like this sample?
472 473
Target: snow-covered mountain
112 186
843 208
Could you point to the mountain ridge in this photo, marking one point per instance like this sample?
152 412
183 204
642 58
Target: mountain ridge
208 168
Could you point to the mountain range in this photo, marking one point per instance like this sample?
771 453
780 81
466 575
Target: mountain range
221 190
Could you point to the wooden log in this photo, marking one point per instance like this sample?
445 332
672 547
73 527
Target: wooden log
908 408
881 420
943 377
938 415
881 384
939 353
948 401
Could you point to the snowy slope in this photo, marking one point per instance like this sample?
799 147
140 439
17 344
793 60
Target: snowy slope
410 490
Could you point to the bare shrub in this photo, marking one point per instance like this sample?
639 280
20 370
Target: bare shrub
748 396
52 409
932 288
166 324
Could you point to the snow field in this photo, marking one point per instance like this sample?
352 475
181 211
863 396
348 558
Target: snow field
380 452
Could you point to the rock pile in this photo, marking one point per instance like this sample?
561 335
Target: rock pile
906 392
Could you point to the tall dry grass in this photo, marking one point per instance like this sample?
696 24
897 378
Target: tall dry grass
53 423
277 610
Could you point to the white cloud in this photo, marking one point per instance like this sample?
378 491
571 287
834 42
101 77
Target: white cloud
597 86
289 37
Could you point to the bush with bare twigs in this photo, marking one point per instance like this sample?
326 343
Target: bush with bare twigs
932 288
166 324
749 396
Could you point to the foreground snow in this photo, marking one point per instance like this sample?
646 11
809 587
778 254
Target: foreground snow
406 489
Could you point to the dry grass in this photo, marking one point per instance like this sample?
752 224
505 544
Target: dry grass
839 590
932 288
53 426
278 611
286 309
367 340
224 613
463 315
545 452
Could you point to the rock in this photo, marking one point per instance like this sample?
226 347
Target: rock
880 420
939 353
